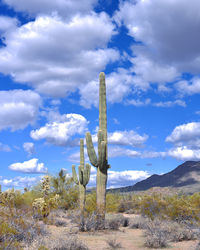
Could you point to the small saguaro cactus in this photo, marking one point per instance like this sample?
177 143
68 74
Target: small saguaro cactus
101 163
84 176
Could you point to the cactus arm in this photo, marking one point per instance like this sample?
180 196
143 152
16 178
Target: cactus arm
90 149
82 153
74 175
80 171
86 174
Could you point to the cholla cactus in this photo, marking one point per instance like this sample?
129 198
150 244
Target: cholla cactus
54 201
8 196
46 185
44 204
7 199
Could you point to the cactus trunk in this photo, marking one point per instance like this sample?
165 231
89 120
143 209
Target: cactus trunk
102 162
101 196
102 170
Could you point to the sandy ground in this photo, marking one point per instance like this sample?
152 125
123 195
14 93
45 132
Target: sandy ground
130 239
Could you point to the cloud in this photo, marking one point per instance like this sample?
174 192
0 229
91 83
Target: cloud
121 178
186 141
186 135
169 104
32 166
168 40
4 148
66 8
33 56
148 102
20 181
29 148
120 152
127 138
60 131
7 24
125 178
139 103
18 108
189 87
184 153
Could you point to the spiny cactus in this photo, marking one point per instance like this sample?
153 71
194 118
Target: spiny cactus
42 206
84 176
101 163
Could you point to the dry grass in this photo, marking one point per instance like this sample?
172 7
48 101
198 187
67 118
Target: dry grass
113 243
64 242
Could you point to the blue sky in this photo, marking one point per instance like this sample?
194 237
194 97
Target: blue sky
51 53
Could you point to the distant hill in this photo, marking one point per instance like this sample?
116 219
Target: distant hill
186 177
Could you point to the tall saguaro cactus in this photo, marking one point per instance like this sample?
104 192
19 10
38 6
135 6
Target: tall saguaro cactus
101 163
84 176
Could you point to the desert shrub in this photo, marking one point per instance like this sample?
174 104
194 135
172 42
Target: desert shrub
113 243
60 223
29 197
70 198
114 221
125 203
138 222
113 224
64 242
159 232
179 208
18 227
198 246
90 222
156 237
90 205
152 206
112 202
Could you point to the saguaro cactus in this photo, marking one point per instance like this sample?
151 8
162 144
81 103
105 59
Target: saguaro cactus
84 176
101 163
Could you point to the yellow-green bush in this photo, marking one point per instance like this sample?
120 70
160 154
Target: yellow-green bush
152 206
69 199
90 204
112 202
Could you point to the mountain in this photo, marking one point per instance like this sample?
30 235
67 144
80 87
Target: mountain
186 177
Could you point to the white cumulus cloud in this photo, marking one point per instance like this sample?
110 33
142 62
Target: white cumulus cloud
168 38
18 108
60 132
128 138
184 153
121 178
32 166
56 56
186 135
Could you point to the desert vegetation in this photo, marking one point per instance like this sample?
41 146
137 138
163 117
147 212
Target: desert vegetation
163 219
